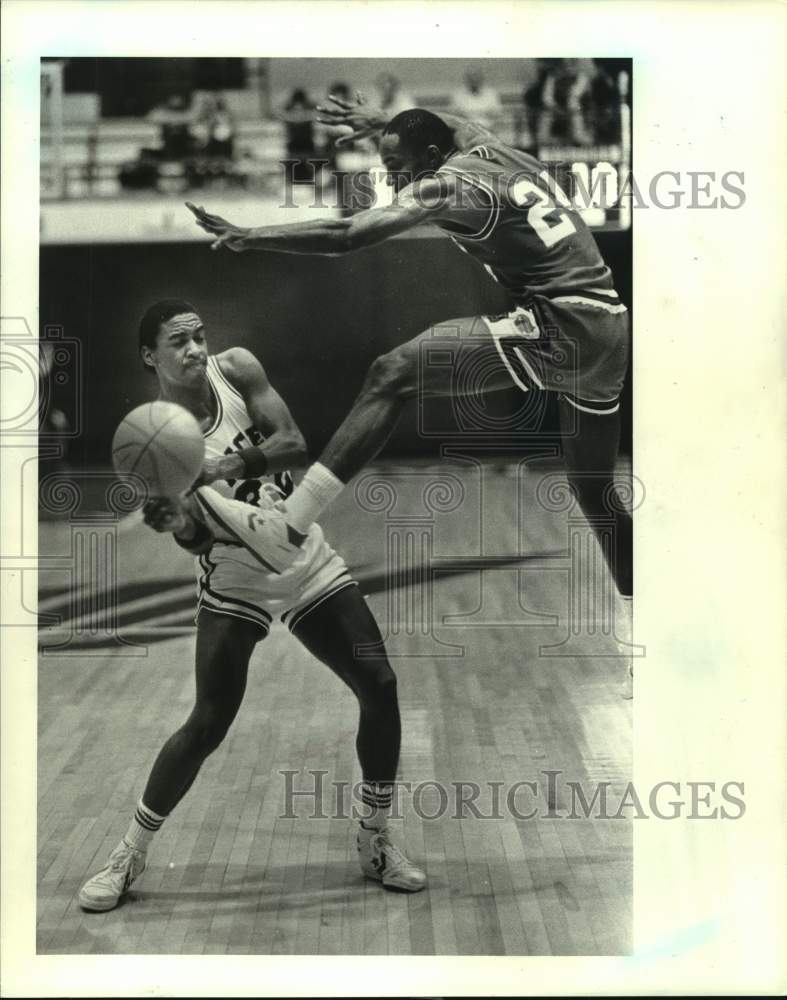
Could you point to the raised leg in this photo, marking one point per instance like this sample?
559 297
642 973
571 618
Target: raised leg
401 375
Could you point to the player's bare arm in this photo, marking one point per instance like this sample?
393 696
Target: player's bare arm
418 203
284 446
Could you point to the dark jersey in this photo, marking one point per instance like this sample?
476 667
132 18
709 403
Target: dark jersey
512 216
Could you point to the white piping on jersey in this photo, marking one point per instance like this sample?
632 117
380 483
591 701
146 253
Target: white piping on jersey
494 212
217 396
528 367
234 612
602 291
579 300
215 366
516 379
587 409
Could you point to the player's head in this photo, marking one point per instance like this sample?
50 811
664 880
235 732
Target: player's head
415 143
172 342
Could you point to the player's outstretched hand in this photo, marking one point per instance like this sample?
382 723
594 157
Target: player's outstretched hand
165 514
362 119
227 234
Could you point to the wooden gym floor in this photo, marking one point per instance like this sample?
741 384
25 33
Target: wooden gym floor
481 700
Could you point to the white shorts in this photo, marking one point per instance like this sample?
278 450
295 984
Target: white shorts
232 582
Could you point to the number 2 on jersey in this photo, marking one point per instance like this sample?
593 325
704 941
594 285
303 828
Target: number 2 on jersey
549 231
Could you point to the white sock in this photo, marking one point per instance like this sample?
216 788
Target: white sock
144 824
376 801
624 621
316 490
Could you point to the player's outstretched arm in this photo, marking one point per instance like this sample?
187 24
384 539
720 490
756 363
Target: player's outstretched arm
418 203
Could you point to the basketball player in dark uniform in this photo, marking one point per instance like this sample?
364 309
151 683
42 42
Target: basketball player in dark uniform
566 332
251 441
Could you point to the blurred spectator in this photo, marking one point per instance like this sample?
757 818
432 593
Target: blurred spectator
174 119
558 102
476 100
606 91
339 89
213 128
168 159
533 96
390 97
298 118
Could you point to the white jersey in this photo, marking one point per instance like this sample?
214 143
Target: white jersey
230 579
232 430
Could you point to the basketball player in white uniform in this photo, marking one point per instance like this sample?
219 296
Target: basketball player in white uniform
251 441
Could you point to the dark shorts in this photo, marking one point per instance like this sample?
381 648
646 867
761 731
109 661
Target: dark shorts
573 344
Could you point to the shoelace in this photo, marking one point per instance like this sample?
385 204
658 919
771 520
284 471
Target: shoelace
393 853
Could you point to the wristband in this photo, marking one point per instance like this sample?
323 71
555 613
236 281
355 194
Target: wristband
255 464
201 541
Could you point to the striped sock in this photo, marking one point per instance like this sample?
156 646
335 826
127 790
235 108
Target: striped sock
144 824
376 798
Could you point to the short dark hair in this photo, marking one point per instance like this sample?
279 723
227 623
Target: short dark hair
417 129
155 315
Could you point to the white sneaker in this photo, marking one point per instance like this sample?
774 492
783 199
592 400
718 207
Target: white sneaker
264 531
103 890
382 861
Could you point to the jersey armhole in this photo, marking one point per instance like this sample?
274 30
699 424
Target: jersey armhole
493 213
224 378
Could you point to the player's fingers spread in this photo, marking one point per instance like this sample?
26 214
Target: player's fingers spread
344 140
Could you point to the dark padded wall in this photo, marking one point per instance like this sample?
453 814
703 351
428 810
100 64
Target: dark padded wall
315 322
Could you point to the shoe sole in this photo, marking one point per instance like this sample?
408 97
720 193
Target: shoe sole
372 874
91 907
393 887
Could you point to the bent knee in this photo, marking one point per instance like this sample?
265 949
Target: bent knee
393 374
205 730
378 687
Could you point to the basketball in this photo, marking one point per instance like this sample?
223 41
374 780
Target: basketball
161 442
